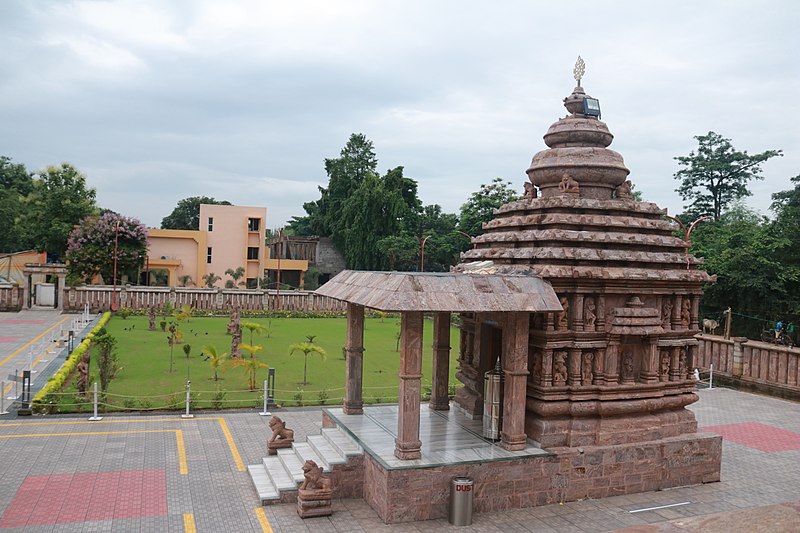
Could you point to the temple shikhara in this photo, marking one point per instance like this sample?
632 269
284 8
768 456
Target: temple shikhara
583 300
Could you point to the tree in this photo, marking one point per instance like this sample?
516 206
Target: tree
210 279
306 348
235 275
480 206
786 206
107 365
16 184
186 214
214 358
249 364
90 247
717 174
58 201
254 327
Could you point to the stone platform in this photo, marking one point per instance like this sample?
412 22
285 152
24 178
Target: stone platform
402 491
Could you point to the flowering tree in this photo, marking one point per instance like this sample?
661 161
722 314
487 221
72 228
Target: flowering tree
90 247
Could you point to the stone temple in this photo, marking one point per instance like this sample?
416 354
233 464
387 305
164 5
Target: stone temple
587 305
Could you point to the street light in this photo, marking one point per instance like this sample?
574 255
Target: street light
687 233
422 258
114 304
468 236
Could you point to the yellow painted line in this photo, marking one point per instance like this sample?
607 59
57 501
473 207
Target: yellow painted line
262 519
184 469
4 361
188 523
232 445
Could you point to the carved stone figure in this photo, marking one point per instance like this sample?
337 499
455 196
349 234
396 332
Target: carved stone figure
627 366
589 318
536 371
664 374
83 374
562 320
568 184
624 191
560 368
151 318
685 313
586 368
282 437
666 313
682 363
530 191
235 331
314 494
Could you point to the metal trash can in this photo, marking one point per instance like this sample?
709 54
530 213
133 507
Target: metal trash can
461 490
492 404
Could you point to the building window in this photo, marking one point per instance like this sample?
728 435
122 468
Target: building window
210 223
208 256
252 252
253 224
252 283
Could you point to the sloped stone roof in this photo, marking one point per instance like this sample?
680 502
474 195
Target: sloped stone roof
433 291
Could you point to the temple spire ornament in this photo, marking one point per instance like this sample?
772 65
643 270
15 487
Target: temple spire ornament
579 70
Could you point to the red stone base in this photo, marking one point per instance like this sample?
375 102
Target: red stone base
405 495
273 447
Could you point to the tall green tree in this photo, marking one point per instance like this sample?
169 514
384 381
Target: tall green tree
90 248
186 214
480 206
16 184
717 174
786 206
58 200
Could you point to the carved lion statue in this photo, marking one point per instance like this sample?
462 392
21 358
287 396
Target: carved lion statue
568 184
314 479
279 430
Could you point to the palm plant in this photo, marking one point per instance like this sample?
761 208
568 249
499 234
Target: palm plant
307 348
254 327
185 280
214 359
210 279
236 275
250 364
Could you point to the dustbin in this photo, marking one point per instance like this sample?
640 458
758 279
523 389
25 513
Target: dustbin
492 404
461 490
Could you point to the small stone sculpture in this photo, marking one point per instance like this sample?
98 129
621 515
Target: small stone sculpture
83 374
682 370
314 494
562 321
625 191
685 313
586 371
560 368
666 313
589 318
530 191
664 365
568 184
151 318
282 437
235 331
627 367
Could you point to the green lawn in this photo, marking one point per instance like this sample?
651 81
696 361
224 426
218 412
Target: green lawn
146 383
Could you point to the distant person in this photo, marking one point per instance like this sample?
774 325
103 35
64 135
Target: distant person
778 329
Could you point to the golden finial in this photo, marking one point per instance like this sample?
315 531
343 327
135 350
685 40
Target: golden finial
580 68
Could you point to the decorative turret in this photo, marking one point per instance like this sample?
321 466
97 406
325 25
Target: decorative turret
578 161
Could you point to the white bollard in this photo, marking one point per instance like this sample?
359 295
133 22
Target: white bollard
16 385
95 417
188 395
30 361
265 412
2 398
711 376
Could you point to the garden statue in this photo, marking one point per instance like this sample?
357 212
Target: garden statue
282 437
314 495
83 374
151 318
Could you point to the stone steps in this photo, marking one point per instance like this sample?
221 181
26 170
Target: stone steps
277 474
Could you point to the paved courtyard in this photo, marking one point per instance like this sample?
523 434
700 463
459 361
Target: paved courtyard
164 473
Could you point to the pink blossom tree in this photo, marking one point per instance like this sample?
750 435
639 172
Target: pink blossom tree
90 247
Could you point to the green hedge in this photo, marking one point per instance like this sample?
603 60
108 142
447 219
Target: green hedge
47 398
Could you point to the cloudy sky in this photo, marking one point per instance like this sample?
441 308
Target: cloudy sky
243 100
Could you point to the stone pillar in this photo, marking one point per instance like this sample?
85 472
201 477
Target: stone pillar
515 370
650 363
574 367
407 443
547 368
738 357
61 284
441 362
674 364
577 312
612 363
600 324
695 312
26 295
353 400
676 312
599 367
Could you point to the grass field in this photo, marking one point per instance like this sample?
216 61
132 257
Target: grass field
146 383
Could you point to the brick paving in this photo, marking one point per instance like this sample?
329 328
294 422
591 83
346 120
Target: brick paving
48 464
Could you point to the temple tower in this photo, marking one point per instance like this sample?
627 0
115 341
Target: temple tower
615 366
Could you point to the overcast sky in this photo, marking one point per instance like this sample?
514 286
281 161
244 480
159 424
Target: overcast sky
159 100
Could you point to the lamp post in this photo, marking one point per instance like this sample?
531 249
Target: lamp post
422 257
687 233
114 304
468 236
